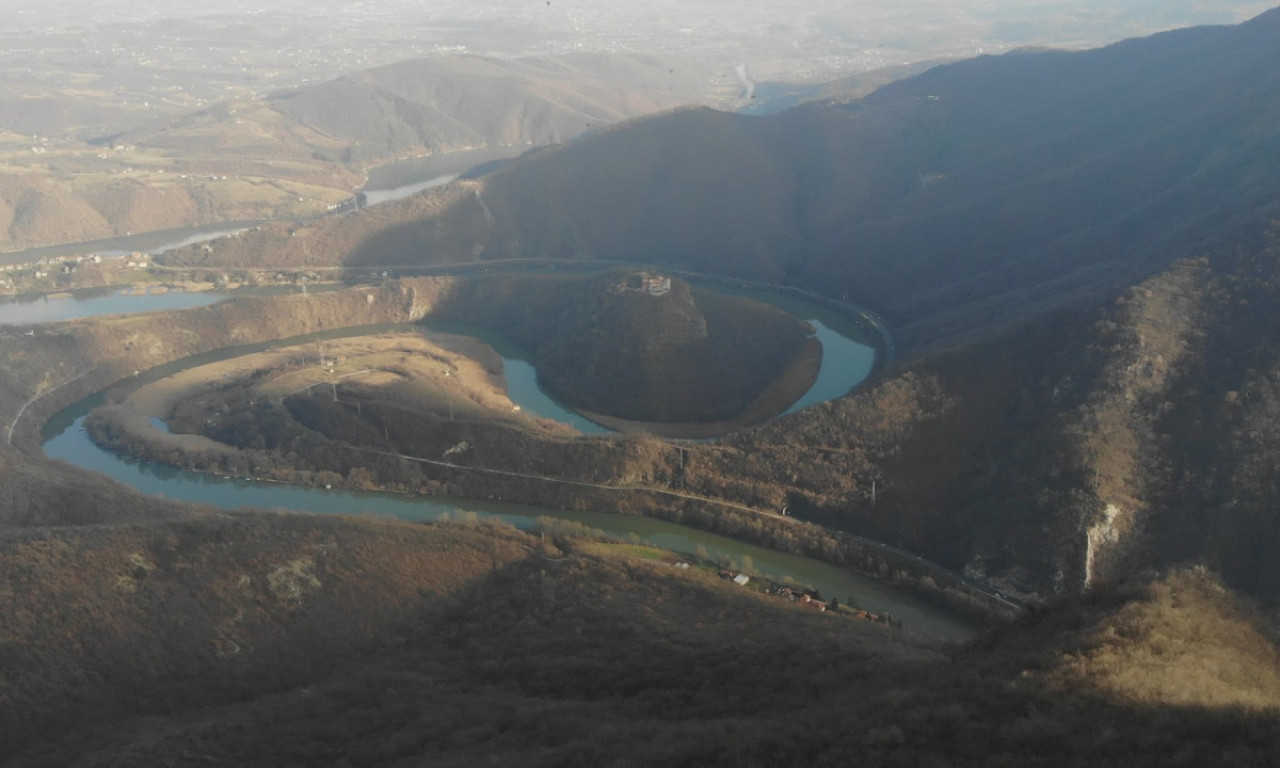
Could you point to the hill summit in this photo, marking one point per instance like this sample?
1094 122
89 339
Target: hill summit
647 347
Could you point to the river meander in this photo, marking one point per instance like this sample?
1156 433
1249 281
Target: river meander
66 439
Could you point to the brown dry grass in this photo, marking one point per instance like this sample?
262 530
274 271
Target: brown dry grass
1185 641
444 375
219 606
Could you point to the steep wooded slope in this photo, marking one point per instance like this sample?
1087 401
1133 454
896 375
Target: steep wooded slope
1073 449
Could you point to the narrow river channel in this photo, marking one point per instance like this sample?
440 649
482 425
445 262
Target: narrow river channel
32 310
66 439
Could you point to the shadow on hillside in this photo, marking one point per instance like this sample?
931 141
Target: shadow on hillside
576 661
455 230
179 616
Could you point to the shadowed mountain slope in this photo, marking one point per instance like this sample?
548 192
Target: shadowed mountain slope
1048 175
950 202
297 641
960 196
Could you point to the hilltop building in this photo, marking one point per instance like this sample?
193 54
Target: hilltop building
655 285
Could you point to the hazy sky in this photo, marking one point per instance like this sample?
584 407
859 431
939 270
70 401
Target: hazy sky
815 39
533 24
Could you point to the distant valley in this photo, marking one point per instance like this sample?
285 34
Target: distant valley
302 152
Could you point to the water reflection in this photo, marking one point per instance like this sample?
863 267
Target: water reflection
40 308
845 364
375 196
524 391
